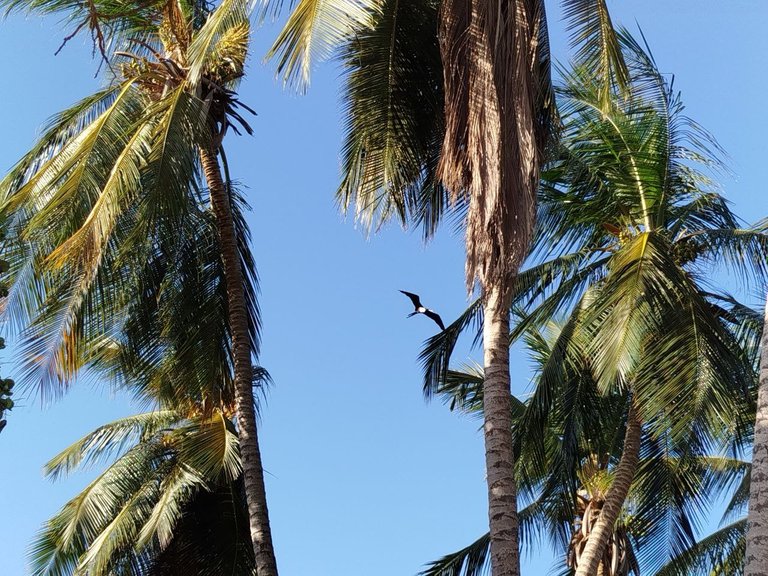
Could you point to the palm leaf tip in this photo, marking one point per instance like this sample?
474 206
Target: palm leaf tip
314 31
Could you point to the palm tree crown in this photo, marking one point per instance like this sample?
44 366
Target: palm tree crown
115 185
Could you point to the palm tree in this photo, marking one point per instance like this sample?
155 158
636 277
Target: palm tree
170 504
173 501
566 464
449 103
756 555
633 225
117 177
6 384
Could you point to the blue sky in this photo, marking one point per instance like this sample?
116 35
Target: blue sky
363 476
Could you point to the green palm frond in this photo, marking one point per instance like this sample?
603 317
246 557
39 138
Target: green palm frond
121 531
393 118
171 175
58 131
742 251
109 440
436 354
469 561
210 447
673 493
463 391
719 553
175 345
314 32
62 189
736 507
597 44
84 517
176 489
205 46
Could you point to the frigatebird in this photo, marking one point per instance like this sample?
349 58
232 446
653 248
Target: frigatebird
419 308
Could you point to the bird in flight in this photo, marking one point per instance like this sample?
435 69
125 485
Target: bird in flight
419 308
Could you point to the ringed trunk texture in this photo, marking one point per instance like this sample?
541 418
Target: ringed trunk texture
756 563
499 449
253 471
614 500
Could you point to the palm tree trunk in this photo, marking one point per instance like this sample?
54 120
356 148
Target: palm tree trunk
491 153
625 472
253 472
756 563
499 454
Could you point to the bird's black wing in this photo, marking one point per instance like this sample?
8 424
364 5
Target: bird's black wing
436 317
414 298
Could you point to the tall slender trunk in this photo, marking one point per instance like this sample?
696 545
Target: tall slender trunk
625 472
756 563
253 472
499 450
491 154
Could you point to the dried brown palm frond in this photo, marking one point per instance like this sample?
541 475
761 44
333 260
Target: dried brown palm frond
493 53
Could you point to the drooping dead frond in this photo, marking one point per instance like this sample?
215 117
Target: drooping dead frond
492 56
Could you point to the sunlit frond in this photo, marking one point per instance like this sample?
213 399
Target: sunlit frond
315 30
109 441
206 43
597 44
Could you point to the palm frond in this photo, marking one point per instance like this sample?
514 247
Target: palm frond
469 561
229 15
210 447
436 354
314 32
597 44
721 553
109 440
121 532
176 489
393 118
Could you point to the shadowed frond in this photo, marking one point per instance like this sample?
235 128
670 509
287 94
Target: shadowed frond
436 354
721 552
469 561
393 109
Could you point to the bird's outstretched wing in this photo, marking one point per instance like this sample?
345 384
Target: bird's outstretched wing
414 298
436 317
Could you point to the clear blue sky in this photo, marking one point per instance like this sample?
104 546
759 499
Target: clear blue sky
364 477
